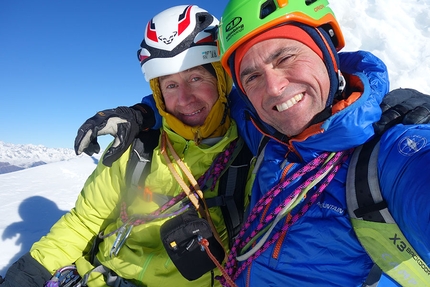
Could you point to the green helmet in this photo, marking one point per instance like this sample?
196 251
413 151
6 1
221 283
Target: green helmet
244 19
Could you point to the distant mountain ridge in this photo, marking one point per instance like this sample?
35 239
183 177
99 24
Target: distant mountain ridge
14 157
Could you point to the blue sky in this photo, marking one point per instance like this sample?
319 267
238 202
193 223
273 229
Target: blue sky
61 61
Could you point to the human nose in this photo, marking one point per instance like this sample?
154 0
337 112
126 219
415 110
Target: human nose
276 82
185 94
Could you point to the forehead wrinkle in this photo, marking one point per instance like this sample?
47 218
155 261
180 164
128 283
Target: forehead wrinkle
268 60
185 71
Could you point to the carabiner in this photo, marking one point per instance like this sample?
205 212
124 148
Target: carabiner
66 276
122 236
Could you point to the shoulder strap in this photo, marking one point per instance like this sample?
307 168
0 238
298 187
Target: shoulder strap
260 153
374 226
368 203
138 165
232 188
231 191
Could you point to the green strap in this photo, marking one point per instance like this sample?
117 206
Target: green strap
389 249
373 224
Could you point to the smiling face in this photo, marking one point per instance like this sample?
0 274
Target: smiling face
189 95
286 82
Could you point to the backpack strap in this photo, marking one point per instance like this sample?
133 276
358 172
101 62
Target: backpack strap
231 191
374 226
138 167
368 203
260 153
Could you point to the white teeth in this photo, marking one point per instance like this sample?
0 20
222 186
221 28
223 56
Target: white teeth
193 113
291 102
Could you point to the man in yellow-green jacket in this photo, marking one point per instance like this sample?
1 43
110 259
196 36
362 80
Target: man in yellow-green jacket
190 89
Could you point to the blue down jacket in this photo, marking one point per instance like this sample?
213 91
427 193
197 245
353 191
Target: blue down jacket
321 248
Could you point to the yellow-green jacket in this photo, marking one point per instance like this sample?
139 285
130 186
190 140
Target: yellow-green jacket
143 258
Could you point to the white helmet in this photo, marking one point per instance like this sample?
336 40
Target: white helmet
177 39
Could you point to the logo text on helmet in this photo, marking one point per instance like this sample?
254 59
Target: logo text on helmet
233 27
211 54
233 23
319 7
168 40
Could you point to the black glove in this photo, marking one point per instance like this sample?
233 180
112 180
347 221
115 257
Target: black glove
123 123
26 272
406 106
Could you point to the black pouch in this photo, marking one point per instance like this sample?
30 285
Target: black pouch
180 236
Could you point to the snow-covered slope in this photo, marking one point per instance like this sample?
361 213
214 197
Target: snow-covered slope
33 199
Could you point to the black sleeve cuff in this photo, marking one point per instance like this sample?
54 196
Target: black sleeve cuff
26 272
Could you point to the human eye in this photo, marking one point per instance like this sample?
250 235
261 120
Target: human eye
170 86
284 60
248 79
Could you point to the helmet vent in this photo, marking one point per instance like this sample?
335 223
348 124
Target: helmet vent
331 33
201 19
309 2
267 8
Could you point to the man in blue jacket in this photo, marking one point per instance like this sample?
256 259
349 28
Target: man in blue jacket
316 105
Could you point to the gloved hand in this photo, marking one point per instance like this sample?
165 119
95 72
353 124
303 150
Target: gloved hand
406 106
123 123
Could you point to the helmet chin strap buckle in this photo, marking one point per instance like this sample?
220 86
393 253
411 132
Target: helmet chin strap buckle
342 82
